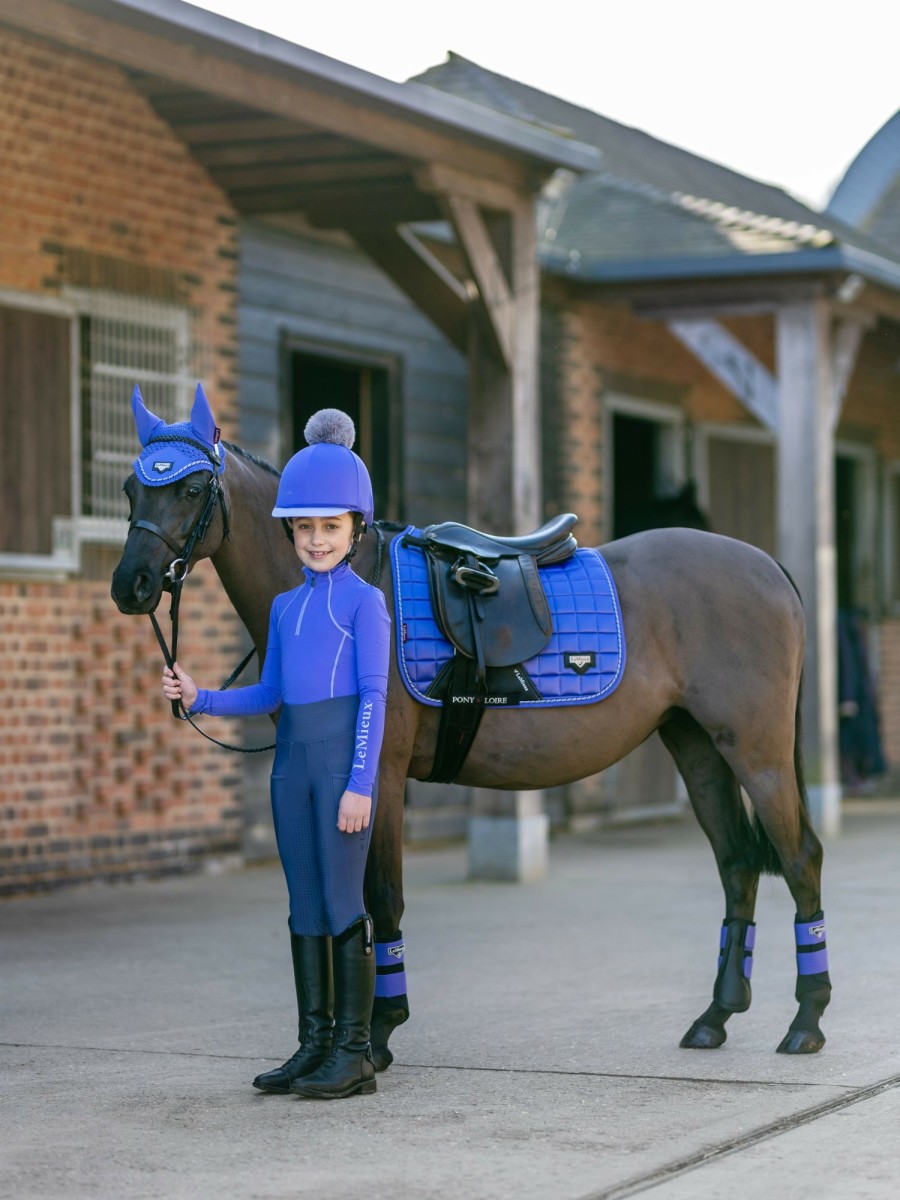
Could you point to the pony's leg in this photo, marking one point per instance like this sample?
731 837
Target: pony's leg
384 901
716 799
784 817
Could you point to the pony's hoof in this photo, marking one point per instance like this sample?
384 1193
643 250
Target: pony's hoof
802 1041
385 1019
381 1058
702 1037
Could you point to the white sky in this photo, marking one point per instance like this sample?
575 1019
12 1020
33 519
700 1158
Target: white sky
787 92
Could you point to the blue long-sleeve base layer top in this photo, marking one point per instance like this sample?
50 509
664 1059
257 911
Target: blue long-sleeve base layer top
329 637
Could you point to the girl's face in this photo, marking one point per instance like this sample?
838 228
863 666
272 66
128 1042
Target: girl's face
322 542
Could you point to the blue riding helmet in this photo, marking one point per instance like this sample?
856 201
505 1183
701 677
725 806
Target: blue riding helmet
326 478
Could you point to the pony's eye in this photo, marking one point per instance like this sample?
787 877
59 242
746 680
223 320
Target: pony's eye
193 492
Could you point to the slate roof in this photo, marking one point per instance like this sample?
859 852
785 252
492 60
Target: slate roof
869 194
657 211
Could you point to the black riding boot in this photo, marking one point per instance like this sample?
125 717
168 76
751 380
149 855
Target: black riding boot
348 1068
315 1002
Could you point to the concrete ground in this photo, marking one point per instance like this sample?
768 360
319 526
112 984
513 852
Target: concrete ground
541 1059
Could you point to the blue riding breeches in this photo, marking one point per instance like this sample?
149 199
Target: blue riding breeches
324 868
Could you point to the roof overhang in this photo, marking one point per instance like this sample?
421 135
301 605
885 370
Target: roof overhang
284 129
849 275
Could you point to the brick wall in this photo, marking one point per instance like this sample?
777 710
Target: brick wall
96 778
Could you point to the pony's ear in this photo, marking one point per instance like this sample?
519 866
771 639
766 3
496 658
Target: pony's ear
145 420
202 420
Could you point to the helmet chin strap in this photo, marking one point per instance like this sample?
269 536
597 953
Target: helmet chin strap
359 528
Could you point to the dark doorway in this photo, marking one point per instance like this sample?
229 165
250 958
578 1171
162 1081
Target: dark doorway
845 531
635 471
367 393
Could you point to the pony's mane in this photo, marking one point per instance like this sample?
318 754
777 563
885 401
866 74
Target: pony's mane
254 458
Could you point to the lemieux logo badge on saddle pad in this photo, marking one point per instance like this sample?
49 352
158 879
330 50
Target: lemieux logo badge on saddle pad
162 466
580 663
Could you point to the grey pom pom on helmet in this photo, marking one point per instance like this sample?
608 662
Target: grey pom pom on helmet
330 425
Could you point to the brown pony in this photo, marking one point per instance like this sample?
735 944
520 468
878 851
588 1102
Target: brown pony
715 650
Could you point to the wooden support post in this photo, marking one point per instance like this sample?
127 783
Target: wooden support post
806 539
504 444
508 831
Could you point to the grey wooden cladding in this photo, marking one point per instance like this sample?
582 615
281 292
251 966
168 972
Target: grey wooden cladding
35 418
336 302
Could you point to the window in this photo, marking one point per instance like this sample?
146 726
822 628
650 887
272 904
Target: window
67 368
124 341
36 477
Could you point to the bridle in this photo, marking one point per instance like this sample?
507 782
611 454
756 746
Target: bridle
177 570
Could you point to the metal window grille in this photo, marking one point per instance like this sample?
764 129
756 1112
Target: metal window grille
125 341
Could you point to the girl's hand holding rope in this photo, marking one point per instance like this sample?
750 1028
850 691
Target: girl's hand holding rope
178 685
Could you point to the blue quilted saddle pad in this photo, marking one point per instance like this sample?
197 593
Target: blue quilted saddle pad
583 661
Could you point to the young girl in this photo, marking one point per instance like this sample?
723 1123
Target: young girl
326 665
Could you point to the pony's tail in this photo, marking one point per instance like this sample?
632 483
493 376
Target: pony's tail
767 860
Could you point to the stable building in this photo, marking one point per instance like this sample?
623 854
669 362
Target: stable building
139 135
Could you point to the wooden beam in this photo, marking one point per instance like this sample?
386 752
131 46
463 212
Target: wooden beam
846 341
287 173
240 153
729 360
440 179
526 400
494 295
266 87
427 282
806 534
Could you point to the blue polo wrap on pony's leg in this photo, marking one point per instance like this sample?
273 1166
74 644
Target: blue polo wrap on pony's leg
812 952
390 969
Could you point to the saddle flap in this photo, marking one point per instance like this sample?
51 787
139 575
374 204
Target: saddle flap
513 624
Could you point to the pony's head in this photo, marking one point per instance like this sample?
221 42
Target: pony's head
176 481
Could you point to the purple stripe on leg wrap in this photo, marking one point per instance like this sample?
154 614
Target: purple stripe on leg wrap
391 985
813 964
812 952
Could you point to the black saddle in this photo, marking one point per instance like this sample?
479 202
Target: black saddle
551 543
487 597
486 592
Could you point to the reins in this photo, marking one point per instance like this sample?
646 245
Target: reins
177 572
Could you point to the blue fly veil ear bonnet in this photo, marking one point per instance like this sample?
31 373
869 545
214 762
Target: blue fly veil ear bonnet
173 451
326 478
